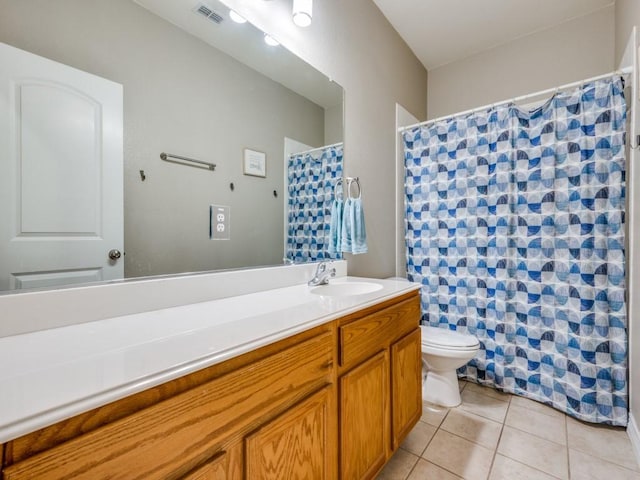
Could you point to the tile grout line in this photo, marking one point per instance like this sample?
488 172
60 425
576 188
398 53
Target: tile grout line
436 432
586 451
413 468
503 425
534 435
459 436
564 417
495 451
525 464
426 446
420 457
542 438
449 409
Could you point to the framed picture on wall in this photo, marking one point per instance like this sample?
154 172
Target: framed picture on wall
255 163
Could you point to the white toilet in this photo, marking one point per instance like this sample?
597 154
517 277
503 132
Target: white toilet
444 351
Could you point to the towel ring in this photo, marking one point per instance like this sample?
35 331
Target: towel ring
350 182
338 188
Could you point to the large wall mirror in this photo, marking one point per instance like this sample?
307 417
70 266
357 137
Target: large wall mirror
182 78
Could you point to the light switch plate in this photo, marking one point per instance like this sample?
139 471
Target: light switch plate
219 224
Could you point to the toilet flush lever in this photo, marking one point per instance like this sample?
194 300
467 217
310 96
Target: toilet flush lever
114 254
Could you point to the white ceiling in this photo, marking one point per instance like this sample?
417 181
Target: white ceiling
443 31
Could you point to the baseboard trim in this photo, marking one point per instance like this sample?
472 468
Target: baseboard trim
634 436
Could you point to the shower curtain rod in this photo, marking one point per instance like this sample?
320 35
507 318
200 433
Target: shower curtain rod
315 149
624 71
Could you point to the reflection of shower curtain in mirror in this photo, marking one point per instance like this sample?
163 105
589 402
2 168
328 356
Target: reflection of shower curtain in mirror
311 180
515 228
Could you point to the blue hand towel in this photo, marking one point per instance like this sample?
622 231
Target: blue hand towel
354 235
335 227
346 242
359 235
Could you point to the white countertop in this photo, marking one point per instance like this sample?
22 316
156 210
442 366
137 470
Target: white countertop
51 375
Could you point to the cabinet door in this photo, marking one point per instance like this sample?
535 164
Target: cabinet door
364 418
406 385
296 445
214 469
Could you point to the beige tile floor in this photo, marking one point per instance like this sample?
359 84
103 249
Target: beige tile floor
497 436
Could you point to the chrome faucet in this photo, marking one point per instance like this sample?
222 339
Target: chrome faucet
322 275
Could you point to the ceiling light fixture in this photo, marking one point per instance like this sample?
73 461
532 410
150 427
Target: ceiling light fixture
302 12
269 40
236 17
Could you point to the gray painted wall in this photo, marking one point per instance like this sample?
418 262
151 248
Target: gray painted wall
627 14
333 125
577 49
184 97
352 43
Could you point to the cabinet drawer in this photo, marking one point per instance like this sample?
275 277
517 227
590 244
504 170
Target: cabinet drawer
364 337
178 433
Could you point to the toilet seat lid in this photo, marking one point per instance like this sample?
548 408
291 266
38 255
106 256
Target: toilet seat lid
447 338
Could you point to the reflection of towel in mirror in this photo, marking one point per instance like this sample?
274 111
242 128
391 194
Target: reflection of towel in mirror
354 234
335 227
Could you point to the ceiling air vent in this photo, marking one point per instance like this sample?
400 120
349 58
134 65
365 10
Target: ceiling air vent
202 9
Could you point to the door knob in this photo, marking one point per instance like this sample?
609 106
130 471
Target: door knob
114 254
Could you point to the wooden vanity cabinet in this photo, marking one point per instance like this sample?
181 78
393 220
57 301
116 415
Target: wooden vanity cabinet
264 411
380 381
331 402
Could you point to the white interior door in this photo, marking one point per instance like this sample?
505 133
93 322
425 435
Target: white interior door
61 201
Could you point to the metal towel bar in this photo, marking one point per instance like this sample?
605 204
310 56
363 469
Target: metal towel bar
167 156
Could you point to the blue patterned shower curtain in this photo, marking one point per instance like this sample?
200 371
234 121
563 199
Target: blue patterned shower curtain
515 228
311 180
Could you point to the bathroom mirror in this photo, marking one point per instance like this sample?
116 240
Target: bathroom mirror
195 84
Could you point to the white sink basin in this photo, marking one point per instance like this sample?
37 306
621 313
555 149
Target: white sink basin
345 289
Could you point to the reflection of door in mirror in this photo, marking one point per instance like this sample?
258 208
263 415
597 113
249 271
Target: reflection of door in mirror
60 173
